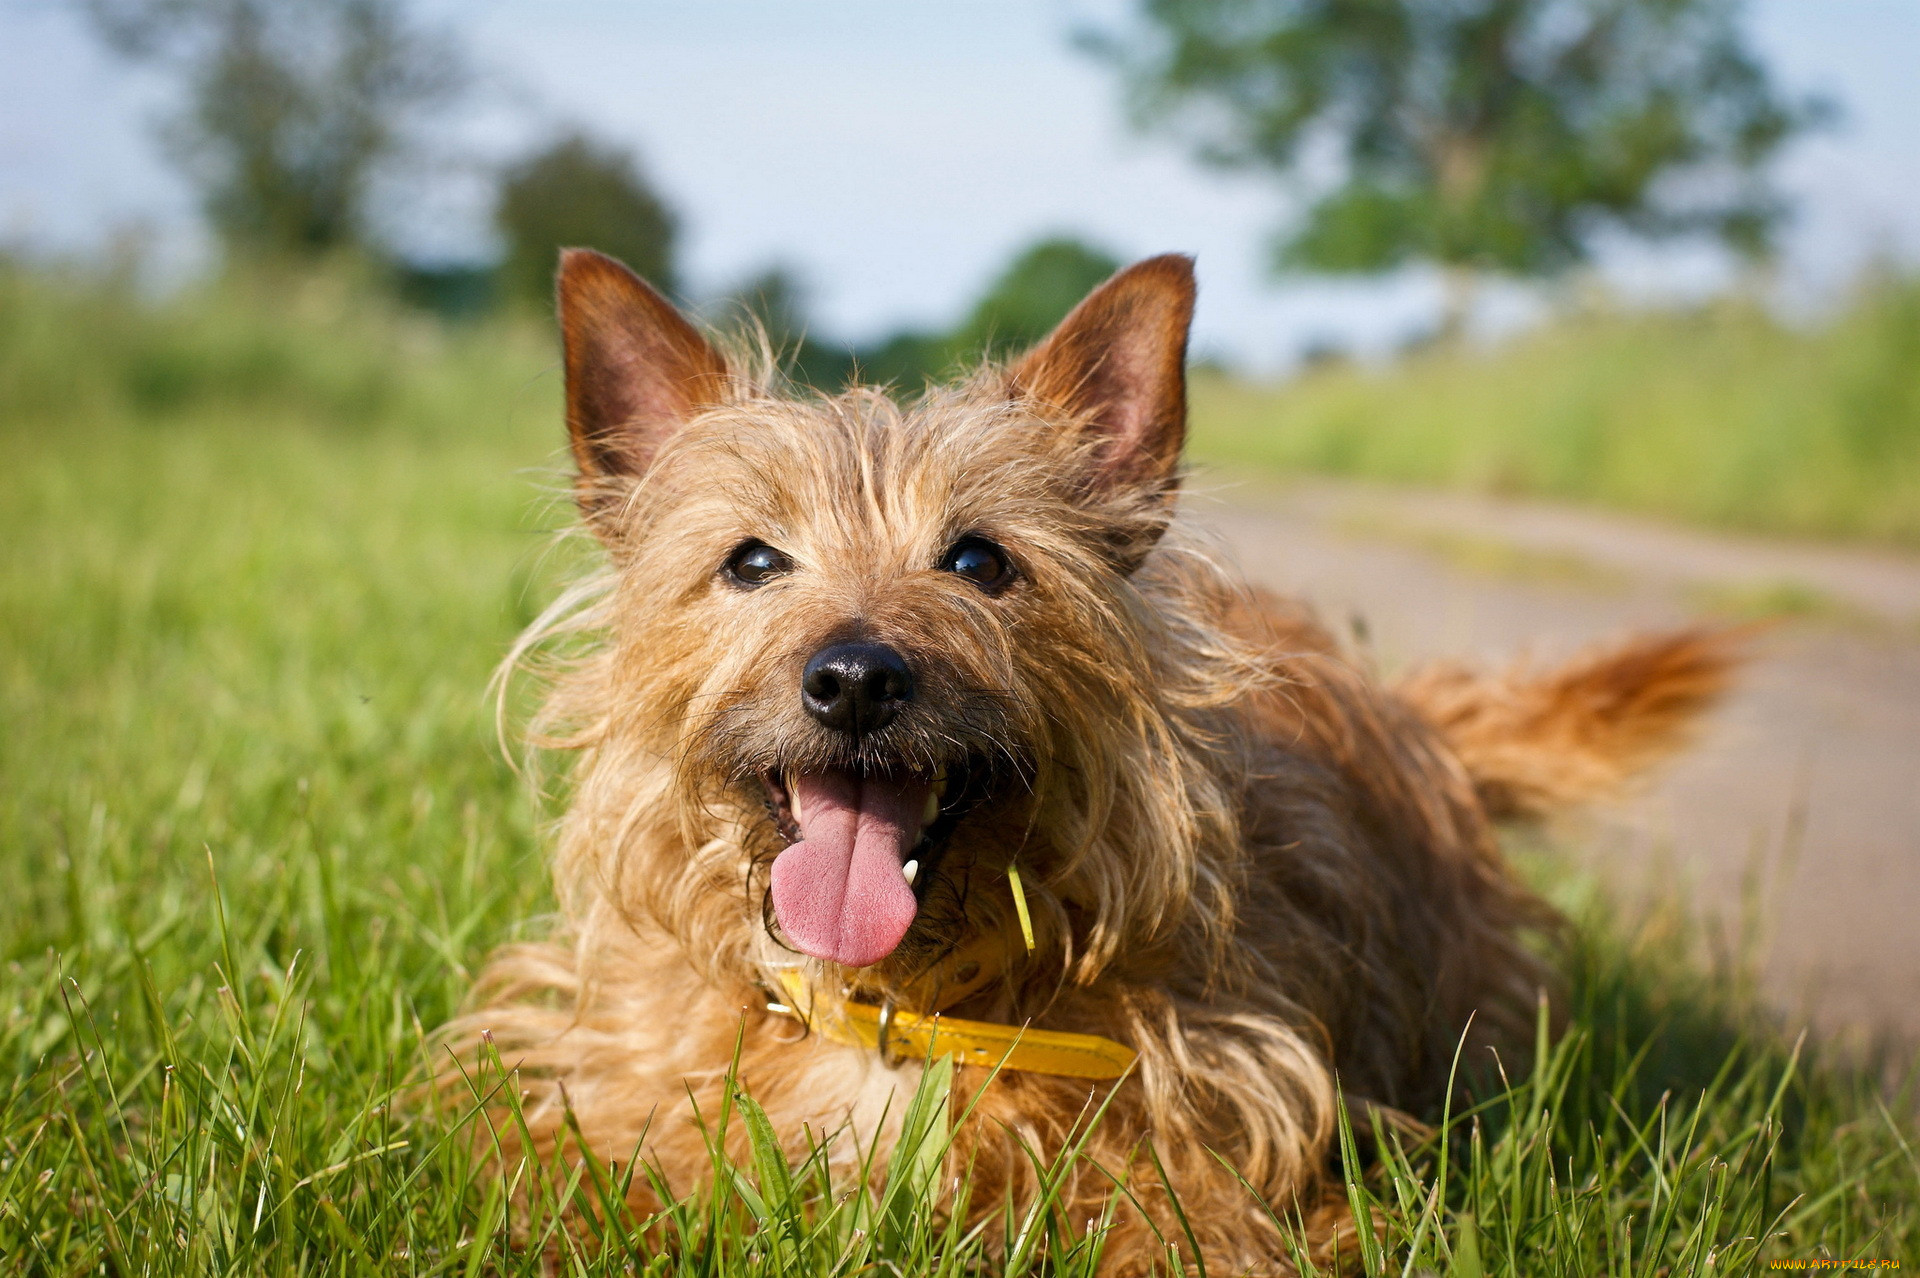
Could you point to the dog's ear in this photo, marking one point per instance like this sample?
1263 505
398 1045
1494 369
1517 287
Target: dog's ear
636 372
1118 363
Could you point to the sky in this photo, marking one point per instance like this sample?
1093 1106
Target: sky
896 153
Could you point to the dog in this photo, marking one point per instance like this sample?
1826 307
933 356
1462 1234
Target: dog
929 731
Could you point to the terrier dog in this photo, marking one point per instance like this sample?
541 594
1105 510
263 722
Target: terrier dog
929 731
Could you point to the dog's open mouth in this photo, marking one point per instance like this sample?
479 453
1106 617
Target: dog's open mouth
864 846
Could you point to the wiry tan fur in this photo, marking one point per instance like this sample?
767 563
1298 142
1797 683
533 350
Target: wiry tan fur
1245 858
1537 742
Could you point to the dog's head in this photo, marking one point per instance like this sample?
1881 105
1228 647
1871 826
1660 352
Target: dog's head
881 651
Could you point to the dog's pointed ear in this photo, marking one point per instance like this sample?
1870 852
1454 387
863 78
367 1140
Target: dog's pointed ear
636 372
1118 363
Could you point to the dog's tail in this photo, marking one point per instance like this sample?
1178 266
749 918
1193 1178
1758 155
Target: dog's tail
1538 741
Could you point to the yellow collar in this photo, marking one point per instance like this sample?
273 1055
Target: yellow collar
899 1034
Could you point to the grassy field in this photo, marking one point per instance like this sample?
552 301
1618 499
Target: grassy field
261 550
1719 416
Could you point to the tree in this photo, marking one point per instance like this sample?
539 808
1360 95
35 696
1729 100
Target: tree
1033 293
775 300
293 107
1481 135
1021 305
582 193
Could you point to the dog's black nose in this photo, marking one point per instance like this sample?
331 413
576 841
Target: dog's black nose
856 687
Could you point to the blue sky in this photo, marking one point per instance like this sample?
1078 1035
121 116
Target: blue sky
897 151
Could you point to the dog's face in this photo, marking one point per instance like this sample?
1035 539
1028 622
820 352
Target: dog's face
878 642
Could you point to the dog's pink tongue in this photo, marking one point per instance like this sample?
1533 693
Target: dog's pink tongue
839 892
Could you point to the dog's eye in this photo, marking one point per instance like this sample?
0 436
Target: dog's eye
755 563
981 562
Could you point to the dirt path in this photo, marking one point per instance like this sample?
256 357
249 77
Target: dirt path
1809 777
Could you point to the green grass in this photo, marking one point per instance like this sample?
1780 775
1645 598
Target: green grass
1719 416
255 835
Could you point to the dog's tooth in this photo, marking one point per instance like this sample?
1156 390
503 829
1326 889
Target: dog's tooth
910 871
931 812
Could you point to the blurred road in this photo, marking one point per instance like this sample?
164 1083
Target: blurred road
1809 777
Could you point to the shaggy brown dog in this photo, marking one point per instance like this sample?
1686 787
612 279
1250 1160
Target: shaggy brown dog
857 661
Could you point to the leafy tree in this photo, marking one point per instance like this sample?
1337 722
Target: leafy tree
293 107
907 360
1020 306
1477 134
580 192
1034 293
776 300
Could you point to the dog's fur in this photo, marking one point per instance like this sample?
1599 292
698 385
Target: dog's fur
1246 858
